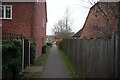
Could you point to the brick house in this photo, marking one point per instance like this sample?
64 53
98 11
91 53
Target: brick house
50 38
101 21
27 19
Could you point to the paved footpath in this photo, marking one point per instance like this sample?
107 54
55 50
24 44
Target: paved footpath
55 67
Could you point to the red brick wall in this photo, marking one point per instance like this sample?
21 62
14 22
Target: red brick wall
21 21
27 21
97 24
40 33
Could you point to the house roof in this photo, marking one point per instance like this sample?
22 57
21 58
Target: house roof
78 33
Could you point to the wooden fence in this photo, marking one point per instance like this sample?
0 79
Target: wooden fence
94 58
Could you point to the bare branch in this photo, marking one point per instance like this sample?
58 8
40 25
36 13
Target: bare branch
63 26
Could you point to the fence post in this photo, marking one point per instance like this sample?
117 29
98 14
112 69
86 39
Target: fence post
116 57
0 45
29 53
22 54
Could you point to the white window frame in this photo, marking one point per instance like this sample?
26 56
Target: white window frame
5 12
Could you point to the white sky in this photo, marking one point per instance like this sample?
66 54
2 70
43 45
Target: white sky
56 9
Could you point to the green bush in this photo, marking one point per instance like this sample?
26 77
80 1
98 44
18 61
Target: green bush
12 58
49 44
32 53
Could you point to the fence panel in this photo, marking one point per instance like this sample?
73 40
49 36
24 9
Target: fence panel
94 58
118 55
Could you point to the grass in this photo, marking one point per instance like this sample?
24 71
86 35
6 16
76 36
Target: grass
69 65
39 62
32 75
42 60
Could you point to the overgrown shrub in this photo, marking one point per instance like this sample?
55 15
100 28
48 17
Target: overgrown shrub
32 52
12 59
49 44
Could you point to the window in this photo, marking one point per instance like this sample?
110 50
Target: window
5 12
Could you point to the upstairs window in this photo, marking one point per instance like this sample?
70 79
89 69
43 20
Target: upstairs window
5 12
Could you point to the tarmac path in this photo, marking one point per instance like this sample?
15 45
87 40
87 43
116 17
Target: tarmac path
54 67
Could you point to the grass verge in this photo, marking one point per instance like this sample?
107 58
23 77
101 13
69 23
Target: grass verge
69 65
39 62
42 60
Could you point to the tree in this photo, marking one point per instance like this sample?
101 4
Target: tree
62 29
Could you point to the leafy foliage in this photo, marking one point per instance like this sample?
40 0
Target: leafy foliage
49 44
12 58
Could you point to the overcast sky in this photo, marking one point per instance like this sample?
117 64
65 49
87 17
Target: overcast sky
56 8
